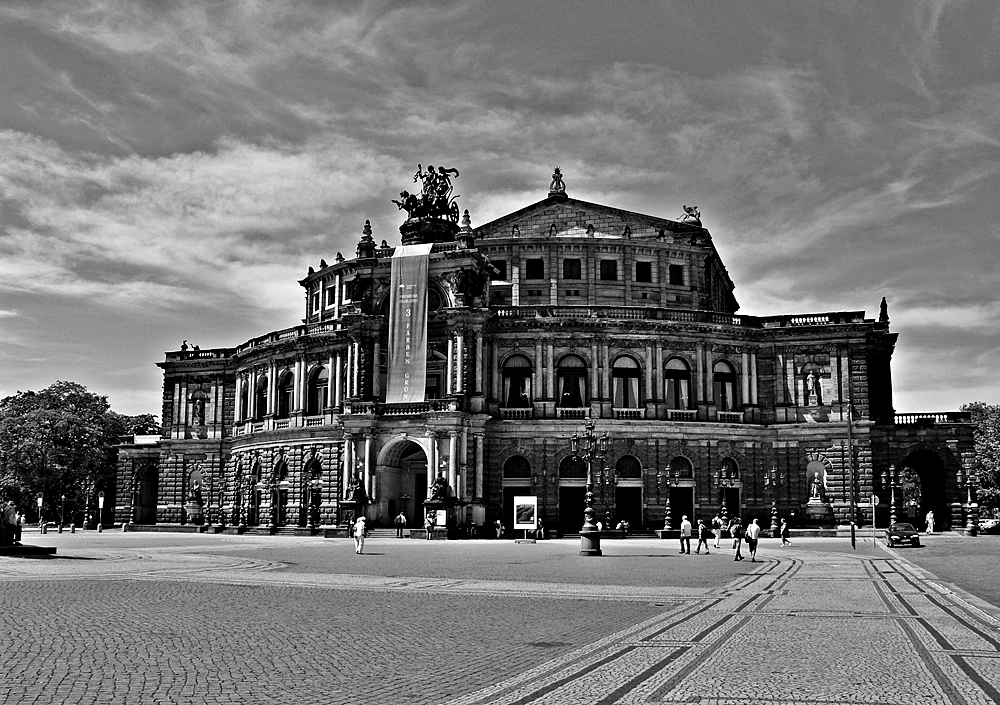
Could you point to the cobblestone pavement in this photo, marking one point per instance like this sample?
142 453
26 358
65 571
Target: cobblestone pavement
186 619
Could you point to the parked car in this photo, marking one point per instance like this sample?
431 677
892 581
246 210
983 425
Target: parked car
989 526
898 534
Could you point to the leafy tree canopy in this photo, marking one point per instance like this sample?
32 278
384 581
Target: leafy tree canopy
987 420
60 441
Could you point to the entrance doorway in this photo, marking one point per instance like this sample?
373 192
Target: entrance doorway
922 489
628 506
145 501
571 506
681 503
402 469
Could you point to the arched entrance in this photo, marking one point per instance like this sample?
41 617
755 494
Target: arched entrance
402 483
921 490
628 491
572 494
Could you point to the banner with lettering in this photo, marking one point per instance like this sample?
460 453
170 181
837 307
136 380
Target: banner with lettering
408 324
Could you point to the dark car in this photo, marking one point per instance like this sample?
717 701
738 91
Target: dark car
898 534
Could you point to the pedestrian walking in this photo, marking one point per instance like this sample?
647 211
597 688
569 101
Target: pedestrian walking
717 529
685 535
785 533
498 525
702 537
400 522
429 523
736 531
359 535
930 522
752 534
9 522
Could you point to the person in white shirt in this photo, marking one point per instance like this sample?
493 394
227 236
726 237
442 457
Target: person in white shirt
359 535
685 535
752 532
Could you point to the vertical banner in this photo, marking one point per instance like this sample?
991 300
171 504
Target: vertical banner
408 324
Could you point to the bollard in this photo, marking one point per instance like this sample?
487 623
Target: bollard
43 529
100 529
72 528
60 528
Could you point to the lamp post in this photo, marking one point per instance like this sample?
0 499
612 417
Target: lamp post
100 511
62 512
314 487
972 516
773 480
671 480
88 520
41 522
893 484
589 447
724 480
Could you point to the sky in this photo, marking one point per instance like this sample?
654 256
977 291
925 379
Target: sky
170 170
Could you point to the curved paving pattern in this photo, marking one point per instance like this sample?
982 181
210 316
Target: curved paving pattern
220 622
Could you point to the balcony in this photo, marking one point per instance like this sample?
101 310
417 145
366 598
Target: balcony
572 413
730 417
630 414
682 415
932 418
517 414
412 409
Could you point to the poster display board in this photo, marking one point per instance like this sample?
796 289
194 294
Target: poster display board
526 513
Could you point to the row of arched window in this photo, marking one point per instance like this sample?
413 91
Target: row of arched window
627 467
572 389
255 405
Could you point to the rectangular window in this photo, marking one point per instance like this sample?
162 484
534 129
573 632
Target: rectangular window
501 267
609 270
572 269
315 302
644 271
534 292
534 269
572 292
676 275
330 294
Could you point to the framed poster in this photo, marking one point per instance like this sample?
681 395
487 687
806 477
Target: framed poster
526 512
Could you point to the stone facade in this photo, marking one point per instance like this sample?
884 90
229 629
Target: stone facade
556 313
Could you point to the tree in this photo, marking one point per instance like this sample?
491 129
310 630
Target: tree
987 435
60 441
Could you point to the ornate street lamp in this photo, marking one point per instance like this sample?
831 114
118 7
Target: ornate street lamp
972 515
773 480
62 512
723 480
589 447
893 484
671 480
314 487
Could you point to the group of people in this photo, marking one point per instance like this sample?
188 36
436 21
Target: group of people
737 532
11 529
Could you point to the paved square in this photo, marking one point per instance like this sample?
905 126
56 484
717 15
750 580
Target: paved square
183 618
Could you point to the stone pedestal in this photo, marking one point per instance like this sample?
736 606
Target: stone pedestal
818 514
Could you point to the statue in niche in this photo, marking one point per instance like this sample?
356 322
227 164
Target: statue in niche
439 490
198 412
816 490
356 490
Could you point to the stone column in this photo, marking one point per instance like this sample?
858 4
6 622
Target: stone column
479 363
753 377
478 490
453 478
376 371
369 470
356 374
448 379
347 471
745 377
336 296
432 460
338 372
459 363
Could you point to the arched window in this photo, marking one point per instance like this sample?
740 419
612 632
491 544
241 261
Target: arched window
572 468
628 468
730 469
572 378
260 397
317 390
677 381
286 388
517 467
625 379
517 382
198 401
681 467
725 386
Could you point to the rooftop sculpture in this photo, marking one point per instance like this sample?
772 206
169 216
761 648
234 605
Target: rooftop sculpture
435 199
